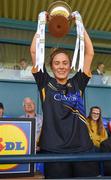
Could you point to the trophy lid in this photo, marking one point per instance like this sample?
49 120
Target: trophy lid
59 7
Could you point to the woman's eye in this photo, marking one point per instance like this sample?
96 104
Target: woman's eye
65 63
56 63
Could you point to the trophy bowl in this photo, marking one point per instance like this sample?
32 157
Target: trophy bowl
59 18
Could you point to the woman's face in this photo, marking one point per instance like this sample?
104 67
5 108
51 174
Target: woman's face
95 114
61 67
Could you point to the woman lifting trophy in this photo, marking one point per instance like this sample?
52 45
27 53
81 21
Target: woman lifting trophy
64 121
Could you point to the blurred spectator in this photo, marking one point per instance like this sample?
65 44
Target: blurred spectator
99 70
1 109
109 126
25 69
105 146
96 128
30 112
98 77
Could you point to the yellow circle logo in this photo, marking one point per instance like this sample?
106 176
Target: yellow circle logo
13 141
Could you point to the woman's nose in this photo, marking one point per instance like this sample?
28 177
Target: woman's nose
61 65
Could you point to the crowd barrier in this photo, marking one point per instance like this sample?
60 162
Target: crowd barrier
75 157
10 159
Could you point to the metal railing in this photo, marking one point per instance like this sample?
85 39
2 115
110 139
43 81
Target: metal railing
76 157
10 159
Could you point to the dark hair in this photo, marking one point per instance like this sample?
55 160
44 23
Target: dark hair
56 51
99 64
99 122
1 106
23 59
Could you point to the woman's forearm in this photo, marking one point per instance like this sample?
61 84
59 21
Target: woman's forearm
89 53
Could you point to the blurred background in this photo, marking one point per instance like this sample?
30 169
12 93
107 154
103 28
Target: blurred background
18 23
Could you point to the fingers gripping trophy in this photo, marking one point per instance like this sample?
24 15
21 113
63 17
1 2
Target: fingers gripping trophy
58 18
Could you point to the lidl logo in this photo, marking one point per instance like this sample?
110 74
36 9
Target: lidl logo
13 141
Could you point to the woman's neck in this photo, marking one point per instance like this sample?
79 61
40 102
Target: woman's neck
62 82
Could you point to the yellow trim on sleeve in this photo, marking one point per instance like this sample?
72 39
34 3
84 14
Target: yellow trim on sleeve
43 94
88 74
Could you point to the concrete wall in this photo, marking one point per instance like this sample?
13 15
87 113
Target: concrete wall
99 96
12 94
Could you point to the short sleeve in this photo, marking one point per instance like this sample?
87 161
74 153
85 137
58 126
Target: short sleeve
41 78
81 80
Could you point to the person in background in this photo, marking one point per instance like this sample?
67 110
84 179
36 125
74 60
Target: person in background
64 123
105 147
99 77
99 70
96 127
1 109
25 72
30 112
